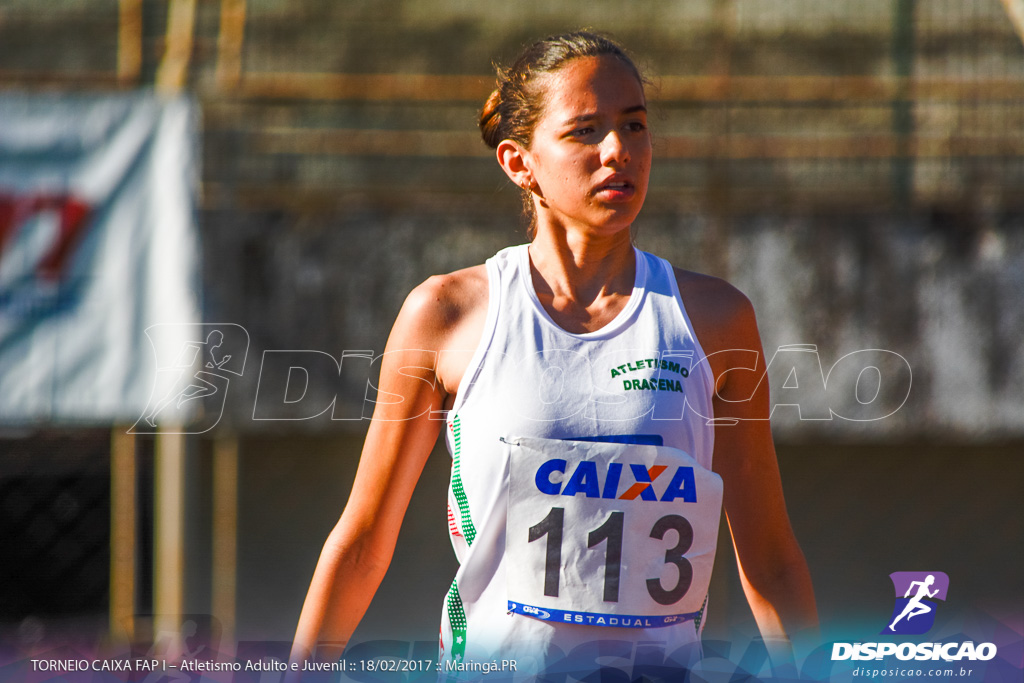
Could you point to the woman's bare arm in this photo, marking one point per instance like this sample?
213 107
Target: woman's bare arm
402 433
772 567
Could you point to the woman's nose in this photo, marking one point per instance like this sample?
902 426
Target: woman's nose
613 150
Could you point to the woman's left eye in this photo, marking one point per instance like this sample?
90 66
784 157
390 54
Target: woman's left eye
636 126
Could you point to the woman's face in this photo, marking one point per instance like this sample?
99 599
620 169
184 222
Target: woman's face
590 156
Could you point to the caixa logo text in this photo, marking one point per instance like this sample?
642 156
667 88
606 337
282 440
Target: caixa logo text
588 479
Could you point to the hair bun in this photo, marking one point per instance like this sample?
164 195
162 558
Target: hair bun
490 120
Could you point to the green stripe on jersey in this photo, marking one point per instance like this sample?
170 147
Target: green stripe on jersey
468 530
700 615
457 619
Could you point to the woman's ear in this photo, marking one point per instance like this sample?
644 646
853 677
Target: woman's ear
514 160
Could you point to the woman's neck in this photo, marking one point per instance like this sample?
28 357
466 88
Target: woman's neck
583 280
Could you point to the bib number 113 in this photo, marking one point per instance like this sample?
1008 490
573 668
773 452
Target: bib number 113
610 534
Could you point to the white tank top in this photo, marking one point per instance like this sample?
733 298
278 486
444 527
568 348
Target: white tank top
582 508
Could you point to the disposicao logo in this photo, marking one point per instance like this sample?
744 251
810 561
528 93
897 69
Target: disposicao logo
916 593
914 614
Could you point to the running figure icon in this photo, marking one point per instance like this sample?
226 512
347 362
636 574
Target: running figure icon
197 385
194 364
917 595
916 607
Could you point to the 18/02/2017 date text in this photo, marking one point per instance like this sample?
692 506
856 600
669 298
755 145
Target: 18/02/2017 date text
410 665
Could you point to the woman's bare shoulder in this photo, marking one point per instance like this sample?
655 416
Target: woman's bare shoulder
445 314
437 311
722 315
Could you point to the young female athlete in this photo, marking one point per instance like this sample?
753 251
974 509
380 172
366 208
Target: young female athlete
600 406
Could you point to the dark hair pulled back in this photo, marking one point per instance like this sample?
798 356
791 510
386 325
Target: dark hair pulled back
512 110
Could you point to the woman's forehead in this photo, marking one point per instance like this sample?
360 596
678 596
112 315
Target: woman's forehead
602 82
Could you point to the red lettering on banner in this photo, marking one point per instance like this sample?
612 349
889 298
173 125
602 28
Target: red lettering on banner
15 212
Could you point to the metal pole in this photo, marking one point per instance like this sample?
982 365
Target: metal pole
225 535
169 531
122 535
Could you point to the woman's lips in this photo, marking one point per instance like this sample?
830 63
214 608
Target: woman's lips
613 190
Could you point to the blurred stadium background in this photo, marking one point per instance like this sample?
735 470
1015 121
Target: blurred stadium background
855 166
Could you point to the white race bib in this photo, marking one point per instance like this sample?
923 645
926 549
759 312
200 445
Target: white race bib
609 534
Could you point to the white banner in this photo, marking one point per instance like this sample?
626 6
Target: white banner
98 242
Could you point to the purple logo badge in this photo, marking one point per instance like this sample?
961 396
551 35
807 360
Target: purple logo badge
916 593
